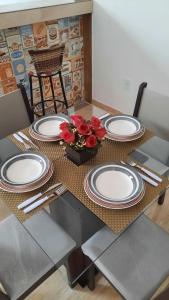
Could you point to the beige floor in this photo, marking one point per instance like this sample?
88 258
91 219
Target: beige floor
56 287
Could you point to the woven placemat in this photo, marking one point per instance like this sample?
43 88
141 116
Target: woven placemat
73 176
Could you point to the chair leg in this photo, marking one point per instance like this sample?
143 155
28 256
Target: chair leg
161 198
31 90
63 90
53 94
41 93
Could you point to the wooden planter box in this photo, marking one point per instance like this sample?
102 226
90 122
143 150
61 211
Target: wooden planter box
79 157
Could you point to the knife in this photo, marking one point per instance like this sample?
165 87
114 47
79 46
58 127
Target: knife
24 136
37 196
18 138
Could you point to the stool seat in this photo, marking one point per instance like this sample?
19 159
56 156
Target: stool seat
42 74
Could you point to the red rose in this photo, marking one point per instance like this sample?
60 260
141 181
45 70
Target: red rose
95 122
63 125
100 133
91 141
83 129
77 120
67 136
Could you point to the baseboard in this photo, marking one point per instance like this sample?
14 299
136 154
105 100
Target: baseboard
105 107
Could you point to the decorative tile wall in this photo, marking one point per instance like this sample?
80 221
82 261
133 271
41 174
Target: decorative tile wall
15 61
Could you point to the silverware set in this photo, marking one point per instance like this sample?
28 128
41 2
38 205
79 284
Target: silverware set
152 178
22 138
147 172
33 202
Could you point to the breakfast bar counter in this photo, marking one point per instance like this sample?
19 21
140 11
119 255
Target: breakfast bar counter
24 12
27 25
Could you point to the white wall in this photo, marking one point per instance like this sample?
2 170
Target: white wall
130 45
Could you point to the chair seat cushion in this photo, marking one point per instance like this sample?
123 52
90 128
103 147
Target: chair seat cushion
22 261
50 236
98 243
138 262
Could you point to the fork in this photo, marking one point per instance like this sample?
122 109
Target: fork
149 173
19 139
58 192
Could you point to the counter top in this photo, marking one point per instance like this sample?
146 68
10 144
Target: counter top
22 12
18 5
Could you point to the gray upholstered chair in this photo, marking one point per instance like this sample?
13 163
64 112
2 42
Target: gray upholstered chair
15 112
98 243
152 109
137 262
28 255
51 237
23 263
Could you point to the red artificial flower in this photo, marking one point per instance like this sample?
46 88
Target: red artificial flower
95 122
67 136
84 129
91 141
64 125
77 120
100 133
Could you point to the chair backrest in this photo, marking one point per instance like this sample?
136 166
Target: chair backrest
48 60
15 112
152 109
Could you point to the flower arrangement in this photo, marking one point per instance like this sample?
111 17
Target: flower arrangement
81 134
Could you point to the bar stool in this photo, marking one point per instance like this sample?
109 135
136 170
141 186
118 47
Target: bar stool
47 63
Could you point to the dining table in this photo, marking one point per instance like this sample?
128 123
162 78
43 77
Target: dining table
73 210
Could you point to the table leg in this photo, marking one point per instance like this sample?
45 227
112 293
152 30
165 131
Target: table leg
161 198
76 265
3 296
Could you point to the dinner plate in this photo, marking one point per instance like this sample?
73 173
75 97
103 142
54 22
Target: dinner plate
115 182
48 126
42 138
122 125
126 139
112 205
24 168
24 188
135 196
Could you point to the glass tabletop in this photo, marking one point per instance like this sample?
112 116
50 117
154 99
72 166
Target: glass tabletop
62 228
23 261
